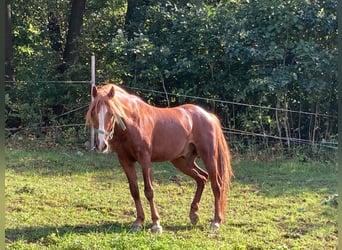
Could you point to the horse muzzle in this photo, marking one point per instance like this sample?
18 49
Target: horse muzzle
103 146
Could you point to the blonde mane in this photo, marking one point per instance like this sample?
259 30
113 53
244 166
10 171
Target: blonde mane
113 103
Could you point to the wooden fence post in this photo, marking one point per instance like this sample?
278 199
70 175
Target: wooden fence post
92 83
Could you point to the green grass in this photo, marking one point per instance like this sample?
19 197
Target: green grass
60 198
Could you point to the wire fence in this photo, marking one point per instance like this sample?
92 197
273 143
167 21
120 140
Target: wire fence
233 103
227 130
232 131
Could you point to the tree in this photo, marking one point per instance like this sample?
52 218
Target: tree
54 32
75 25
9 70
135 17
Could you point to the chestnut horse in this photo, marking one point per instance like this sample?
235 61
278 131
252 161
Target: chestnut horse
139 132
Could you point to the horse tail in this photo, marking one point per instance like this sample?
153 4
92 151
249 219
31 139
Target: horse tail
224 167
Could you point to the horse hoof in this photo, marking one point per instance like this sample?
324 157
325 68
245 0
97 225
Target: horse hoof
157 229
136 227
214 226
194 218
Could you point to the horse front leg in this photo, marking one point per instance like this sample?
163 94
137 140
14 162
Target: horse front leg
149 193
131 174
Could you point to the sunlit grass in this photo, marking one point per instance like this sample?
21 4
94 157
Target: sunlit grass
73 199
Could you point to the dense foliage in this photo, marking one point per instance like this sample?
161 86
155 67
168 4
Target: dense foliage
276 54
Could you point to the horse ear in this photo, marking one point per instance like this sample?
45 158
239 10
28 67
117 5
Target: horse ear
111 92
94 91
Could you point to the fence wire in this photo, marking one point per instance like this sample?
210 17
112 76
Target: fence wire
227 131
232 103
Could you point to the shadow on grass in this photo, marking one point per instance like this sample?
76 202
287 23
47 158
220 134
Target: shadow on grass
283 178
35 234
53 162
268 179
41 234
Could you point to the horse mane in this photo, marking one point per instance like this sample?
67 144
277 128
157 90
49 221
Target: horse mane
115 103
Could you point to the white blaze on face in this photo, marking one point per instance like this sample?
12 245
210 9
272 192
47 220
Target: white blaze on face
101 136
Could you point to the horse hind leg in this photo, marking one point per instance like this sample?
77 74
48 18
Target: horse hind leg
189 167
219 194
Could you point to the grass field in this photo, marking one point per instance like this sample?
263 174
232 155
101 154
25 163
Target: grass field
62 198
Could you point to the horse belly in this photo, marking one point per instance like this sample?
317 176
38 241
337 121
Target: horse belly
169 147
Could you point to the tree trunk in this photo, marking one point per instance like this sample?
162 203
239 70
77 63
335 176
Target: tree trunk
135 17
9 70
54 33
74 30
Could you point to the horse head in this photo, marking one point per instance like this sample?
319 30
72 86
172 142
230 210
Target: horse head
102 116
